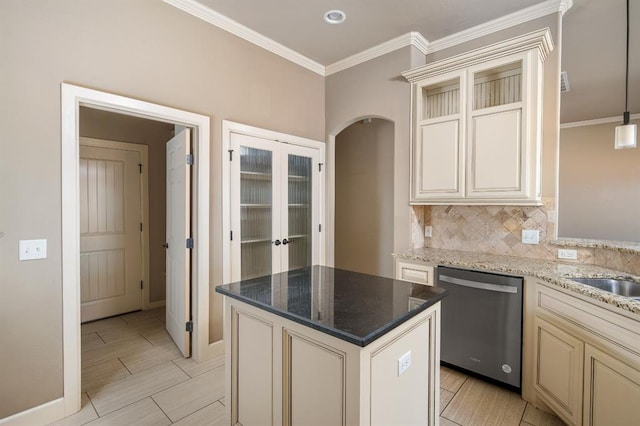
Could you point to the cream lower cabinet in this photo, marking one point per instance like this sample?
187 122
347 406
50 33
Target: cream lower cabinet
414 271
587 360
280 372
611 389
559 369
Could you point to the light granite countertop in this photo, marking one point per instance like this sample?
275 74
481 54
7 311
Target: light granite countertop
555 273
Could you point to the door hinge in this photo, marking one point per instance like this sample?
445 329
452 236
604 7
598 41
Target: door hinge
190 159
189 327
141 284
140 167
320 166
140 226
319 227
189 243
231 235
230 155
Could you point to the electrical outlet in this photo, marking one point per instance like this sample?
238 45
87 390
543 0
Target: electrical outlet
428 231
530 236
404 362
569 254
32 249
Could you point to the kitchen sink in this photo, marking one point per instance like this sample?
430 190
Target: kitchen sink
616 286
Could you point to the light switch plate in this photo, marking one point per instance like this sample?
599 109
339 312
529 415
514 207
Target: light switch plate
32 249
530 236
428 231
404 362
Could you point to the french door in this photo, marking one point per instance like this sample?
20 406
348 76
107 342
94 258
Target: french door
275 206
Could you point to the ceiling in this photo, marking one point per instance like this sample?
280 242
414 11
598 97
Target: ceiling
593 37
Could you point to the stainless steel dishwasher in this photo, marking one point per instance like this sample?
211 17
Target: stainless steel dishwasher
482 324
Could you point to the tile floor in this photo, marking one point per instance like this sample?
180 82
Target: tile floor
133 374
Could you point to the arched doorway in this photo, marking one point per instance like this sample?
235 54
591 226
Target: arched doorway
364 199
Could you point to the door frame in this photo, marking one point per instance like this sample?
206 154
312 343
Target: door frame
229 127
72 97
143 150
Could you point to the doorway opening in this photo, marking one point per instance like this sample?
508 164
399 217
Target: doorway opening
364 197
73 98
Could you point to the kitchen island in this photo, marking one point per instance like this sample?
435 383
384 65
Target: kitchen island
326 346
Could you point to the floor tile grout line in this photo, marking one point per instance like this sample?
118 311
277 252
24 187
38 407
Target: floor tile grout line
125 367
163 412
92 406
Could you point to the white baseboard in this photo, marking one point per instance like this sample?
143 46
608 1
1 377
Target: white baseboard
41 415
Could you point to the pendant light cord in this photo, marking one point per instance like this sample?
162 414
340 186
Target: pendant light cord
626 83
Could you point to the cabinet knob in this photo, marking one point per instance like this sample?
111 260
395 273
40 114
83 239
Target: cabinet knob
277 242
285 241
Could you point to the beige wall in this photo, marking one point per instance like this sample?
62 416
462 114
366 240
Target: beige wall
377 89
364 198
599 193
144 49
100 124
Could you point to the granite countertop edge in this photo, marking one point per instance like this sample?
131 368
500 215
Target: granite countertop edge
340 334
619 246
555 273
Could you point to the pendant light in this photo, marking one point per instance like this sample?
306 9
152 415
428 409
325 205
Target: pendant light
626 134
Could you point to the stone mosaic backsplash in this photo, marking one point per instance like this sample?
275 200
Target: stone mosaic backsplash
498 230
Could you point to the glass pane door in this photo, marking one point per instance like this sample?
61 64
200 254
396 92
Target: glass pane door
256 212
299 189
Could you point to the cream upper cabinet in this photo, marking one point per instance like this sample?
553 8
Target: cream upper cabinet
477 132
438 149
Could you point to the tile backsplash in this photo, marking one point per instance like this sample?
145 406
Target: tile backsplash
498 230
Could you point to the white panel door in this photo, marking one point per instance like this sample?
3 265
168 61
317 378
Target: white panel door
178 309
110 240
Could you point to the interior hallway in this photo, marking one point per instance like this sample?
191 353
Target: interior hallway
133 374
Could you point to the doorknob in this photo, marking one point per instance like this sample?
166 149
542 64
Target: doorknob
277 242
285 241
165 245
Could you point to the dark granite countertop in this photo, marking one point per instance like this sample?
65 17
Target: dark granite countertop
354 307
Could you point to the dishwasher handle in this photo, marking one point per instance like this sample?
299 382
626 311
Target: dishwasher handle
479 285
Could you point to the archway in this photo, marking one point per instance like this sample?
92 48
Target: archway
364 196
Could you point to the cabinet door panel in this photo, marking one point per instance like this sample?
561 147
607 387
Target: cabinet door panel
558 375
438 167
611 390
496 154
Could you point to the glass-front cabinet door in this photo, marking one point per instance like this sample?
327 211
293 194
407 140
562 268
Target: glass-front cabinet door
275 202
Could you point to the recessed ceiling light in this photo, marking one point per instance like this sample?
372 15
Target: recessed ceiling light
335 17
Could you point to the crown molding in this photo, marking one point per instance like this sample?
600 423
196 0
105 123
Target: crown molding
414 38
597 121
409 39
533 12
539 40
198 10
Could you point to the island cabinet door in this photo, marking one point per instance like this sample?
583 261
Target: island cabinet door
275 207
611 389
558 374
